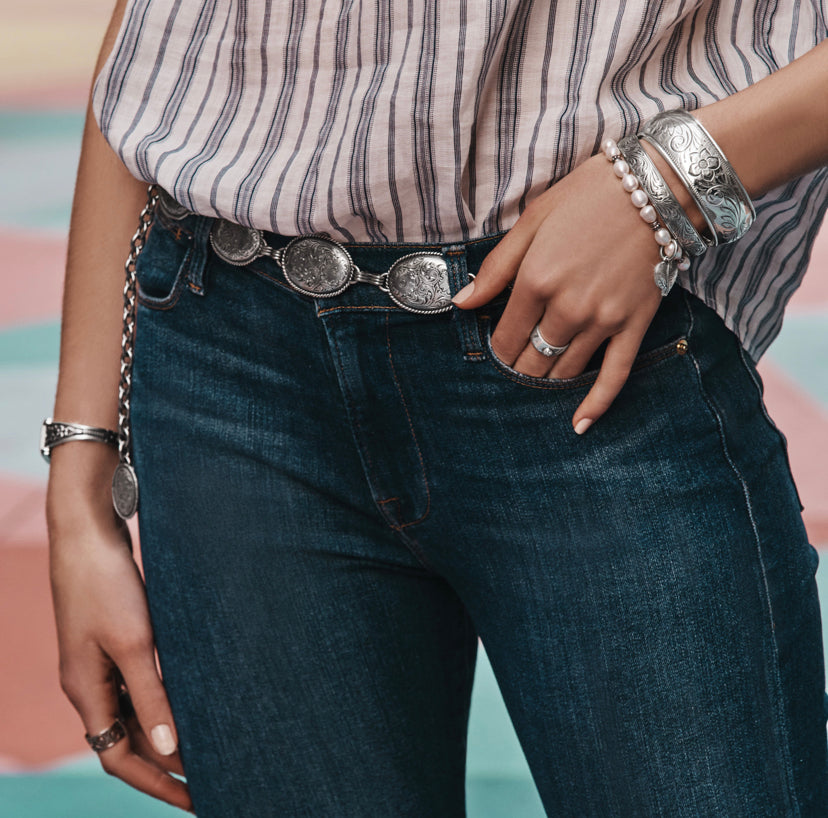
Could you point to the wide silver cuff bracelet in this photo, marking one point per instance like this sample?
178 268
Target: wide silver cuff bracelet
671 213
711 180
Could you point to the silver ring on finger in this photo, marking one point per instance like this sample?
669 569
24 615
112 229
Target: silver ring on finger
107 738
543 346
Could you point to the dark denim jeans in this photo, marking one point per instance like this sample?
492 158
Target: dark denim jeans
339 496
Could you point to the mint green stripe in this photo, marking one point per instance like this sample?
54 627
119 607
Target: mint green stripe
30 344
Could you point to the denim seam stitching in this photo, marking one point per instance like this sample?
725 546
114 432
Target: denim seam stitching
411 428
174 228
471 346
259 272
412 547
172 299
783 443
349 307
780 716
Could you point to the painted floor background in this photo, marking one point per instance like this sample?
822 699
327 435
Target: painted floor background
47 49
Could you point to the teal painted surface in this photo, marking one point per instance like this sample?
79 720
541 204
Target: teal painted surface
70 795
31 344
38 160
801 351
24 126
27 395
493 748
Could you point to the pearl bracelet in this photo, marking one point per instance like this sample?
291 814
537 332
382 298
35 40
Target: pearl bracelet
672 258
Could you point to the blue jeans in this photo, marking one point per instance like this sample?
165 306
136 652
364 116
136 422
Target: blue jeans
338 497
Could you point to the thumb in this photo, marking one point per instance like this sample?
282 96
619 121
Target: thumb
501 265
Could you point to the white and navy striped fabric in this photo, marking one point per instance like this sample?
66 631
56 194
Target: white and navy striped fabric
428 121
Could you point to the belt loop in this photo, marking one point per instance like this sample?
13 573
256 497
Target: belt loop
198 254
466 320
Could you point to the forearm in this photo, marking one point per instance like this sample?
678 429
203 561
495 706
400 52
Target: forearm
105 209
777 129
772 132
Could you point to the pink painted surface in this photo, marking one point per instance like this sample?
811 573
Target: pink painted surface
68 97
38 723
805 424
32 281
22 520
812 294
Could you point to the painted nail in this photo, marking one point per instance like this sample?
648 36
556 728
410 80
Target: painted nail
163 740
582 425
461 295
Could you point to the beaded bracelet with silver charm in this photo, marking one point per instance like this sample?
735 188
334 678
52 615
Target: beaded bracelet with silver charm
670 253
125 481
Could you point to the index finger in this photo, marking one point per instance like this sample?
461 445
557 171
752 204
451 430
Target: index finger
615 369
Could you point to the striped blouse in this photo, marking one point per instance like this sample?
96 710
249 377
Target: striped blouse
422 121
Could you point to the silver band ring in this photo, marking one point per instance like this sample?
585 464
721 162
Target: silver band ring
107 738
543 346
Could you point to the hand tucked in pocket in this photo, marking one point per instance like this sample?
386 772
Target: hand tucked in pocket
582 264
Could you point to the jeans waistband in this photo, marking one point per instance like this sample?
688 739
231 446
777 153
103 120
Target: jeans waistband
372 256
380 276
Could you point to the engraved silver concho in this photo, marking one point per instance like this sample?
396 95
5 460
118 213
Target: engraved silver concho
125 490
419 283
235 243
317 265
170 207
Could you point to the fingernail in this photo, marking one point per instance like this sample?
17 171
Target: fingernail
582 425
461 295
163 740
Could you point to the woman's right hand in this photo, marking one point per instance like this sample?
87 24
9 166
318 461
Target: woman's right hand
103 623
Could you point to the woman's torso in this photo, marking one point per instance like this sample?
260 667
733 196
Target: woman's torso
422 121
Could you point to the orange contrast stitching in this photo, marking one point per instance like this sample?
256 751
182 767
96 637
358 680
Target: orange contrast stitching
354 307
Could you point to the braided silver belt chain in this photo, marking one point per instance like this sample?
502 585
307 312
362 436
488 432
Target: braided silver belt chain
125 481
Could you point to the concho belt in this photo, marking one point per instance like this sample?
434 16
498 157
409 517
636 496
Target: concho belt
320 267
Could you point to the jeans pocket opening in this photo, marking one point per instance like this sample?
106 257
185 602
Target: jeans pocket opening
162 267
676 346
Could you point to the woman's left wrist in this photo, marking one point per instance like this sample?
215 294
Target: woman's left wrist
677 187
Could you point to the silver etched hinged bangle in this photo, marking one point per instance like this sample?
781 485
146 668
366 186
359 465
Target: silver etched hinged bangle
671 213
699 162
53 433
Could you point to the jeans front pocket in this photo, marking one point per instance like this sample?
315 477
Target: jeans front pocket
676 345
161 268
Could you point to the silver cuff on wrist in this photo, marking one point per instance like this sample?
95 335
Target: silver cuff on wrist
53 433
671 213
710 179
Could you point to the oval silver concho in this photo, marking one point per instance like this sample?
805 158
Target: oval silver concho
317 265
170 207
235 243
419 282
125 490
